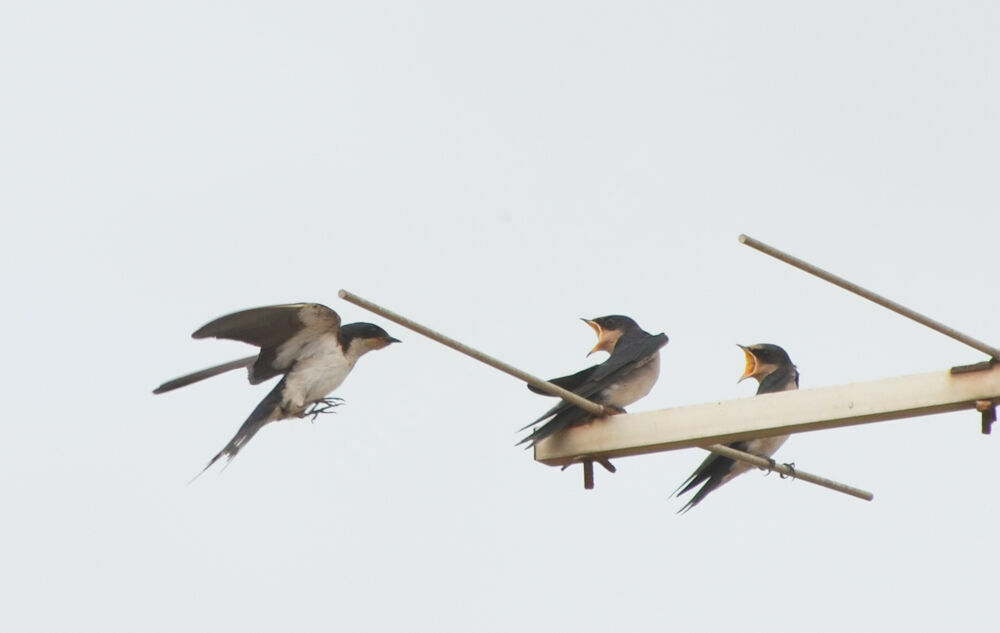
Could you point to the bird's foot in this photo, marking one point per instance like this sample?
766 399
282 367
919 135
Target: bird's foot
791 467
609 410
326 405
770 466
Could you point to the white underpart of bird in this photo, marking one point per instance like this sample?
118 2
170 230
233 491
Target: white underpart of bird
640 382
321 367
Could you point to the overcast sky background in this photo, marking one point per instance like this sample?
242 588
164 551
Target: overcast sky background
495 171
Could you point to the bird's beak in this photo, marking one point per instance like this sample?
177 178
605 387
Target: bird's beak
604 341
389 340
751 367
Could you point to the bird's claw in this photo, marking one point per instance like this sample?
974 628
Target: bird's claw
791 467
326 405
610 410
770 466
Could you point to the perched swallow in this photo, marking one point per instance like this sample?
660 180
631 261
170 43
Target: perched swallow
625 377
303 342
774 370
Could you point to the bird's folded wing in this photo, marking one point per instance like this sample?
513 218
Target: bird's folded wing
567 382
629 352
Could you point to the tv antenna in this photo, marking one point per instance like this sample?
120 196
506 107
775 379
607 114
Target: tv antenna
711 426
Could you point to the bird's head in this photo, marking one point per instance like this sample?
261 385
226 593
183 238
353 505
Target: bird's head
360 338
609 329
762 360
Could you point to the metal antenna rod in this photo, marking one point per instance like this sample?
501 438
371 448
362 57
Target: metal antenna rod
993 352
534 381
788 471
587 405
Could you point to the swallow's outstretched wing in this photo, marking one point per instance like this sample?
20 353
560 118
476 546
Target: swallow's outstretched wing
280 331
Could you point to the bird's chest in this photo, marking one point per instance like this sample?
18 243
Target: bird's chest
321 367
635 385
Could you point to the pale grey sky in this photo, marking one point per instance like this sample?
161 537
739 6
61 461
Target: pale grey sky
497 171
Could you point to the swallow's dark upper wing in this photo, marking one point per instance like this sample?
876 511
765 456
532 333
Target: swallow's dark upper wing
632 349
784 378
271 326
568 382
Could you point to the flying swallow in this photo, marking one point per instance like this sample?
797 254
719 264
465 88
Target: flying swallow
625 377
774 371
302 342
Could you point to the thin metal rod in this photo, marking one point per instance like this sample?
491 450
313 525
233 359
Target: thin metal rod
583 403
787 471
993 352
534 381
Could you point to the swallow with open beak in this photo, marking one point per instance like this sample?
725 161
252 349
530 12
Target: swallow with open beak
304 343
774 371
627 375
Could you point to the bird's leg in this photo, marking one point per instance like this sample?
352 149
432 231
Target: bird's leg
315 411
609 410
791 467
325 405
770 467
